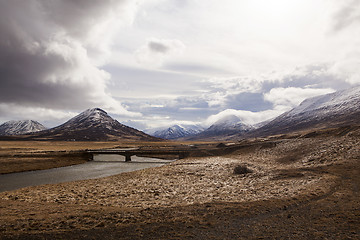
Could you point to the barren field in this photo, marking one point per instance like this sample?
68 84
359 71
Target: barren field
299 188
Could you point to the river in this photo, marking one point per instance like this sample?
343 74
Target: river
103 166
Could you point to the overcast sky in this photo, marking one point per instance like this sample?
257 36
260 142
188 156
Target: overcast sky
153 63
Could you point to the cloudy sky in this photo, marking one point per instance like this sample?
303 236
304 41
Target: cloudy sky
152 63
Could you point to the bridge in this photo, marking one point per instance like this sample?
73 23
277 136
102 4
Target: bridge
136 151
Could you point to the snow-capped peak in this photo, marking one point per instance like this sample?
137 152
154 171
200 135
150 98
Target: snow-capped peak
229 122
331 110
92 116
20 127
333 102
176 131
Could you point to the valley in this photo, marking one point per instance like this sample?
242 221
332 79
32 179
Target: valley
295 177
179 119
308 183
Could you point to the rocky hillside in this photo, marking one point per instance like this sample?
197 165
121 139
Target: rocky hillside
92 125
20 127
331 110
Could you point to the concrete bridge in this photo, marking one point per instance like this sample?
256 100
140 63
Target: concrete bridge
135 152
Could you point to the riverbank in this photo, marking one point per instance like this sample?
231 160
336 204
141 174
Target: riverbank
21 156
297 188
88 170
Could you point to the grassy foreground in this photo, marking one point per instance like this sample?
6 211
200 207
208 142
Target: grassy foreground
299 188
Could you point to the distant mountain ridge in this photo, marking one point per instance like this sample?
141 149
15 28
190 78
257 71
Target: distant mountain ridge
225 126
20 127
336 109
331 110
91 125
176 131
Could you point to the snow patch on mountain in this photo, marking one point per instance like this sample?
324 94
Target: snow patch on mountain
333 102
93 125
176 131
331 110
229 123
20 127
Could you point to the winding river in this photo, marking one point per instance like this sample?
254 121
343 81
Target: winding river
103 166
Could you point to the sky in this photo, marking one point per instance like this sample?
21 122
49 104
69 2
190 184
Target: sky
155 63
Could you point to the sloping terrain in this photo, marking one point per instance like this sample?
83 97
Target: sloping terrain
177 131
331 110
91 125
299 188
221 129
20 127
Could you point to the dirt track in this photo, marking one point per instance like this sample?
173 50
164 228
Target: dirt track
300 188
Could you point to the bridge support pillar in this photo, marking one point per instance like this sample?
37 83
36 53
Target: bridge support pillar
127 158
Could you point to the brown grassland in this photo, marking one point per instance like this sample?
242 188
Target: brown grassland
299 187
19 156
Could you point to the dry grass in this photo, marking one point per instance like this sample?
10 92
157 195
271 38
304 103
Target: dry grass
313 195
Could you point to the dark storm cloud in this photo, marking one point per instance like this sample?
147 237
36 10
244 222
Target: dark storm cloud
22 78
44 53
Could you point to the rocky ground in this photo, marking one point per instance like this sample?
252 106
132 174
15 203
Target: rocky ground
298 188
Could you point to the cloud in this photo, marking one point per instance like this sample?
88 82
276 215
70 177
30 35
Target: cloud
292 96
347 68
247 117
348 15
156 51
16 112
49 53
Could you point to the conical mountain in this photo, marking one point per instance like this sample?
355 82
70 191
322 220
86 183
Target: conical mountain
93 125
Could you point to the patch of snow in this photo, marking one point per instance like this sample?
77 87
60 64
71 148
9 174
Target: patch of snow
20 127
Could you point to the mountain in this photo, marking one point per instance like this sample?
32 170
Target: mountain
92 125
20 127
177 131
222 128
331 110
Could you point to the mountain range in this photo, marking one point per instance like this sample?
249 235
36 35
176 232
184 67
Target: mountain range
331 110
225 126
176 131
91 125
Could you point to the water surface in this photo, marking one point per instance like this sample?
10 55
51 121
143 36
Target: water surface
104 166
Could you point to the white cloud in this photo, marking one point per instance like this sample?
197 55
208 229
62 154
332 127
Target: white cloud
237 84
16 112
348 68
79 54
347 16
156 51
292 96
246 117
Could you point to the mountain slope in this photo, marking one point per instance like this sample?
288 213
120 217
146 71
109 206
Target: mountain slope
20 127
177 131
330 110
92 125
222 128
